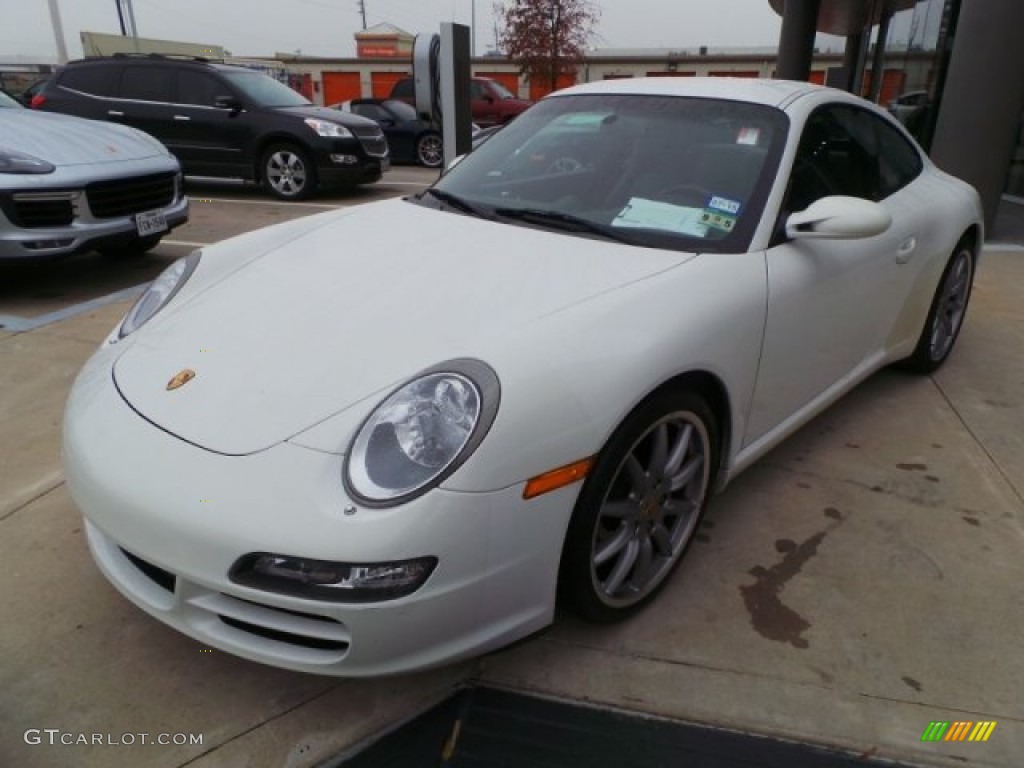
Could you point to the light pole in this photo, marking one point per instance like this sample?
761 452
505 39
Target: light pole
58 32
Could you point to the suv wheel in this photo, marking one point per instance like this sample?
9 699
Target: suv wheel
430 150
287 172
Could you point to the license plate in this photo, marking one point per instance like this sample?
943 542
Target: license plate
150 223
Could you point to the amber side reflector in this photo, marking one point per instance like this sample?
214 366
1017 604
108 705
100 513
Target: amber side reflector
556 478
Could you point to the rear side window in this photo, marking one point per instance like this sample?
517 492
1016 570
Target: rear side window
96 81
899 161
147 84
403 89
200 88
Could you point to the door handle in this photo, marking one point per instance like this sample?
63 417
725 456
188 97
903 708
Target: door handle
115 113
182 118
905 250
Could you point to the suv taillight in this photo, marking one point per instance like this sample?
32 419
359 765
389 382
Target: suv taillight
37 101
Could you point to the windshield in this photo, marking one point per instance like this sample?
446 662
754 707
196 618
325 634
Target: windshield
400 109
266 91
501 90
661 171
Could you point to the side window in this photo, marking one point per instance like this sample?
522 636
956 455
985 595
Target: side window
199 88
97 81
836 156
477 91
899 161
147 84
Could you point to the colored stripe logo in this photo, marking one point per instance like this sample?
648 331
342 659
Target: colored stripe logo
958 730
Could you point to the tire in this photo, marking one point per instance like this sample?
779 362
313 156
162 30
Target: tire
140 247
630 529
430 150
946 314
287 172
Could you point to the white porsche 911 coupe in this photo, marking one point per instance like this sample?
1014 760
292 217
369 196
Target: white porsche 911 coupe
337 452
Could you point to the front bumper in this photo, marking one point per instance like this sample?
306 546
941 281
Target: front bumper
166 520
85 232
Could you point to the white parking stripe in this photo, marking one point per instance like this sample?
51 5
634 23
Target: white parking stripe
195 199
185 243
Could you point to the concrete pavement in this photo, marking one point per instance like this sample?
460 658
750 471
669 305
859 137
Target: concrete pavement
860 582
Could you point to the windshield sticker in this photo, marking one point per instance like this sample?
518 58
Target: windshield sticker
724 205
649 214
720 221
748 136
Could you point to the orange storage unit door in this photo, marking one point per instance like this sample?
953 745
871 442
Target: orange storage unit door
509 79
341 86
383 82
539 90
817 77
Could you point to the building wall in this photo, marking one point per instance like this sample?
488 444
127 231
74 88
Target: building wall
910 72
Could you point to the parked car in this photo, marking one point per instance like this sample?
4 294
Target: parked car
224 121
410 140
491 102
907 105
425 442
29 93
70 185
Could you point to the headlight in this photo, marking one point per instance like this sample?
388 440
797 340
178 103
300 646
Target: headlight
329 129
12 161
159 293
421 433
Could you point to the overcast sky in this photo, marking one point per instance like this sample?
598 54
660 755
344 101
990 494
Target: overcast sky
326 27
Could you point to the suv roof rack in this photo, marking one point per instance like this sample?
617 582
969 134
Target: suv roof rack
174 56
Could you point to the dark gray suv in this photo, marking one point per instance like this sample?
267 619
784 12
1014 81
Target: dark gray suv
223 120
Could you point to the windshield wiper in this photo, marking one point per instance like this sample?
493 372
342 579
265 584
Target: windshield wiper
565 221
459 204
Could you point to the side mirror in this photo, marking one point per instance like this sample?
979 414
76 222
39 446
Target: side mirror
838 218
227 102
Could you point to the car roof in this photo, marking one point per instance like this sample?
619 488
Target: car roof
773 93
158 58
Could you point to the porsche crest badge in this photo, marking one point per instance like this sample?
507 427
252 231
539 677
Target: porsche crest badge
181 379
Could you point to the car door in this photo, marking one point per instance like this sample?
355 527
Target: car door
832 303
143 99
209 140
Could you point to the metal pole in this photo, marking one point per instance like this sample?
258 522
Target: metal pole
796 41
120 17
131 19
58 32
878 63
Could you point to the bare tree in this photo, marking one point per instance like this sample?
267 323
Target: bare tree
546 38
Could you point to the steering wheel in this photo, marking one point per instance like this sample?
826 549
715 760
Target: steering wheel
565 164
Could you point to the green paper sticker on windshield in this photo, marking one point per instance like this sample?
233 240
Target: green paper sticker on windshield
718 220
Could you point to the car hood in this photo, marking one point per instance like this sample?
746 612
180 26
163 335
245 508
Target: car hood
326 113
361 301
64 140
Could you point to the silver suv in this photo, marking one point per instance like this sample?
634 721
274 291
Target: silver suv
69 185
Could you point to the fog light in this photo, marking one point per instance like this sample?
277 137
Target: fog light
45 245
344 159
330 581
